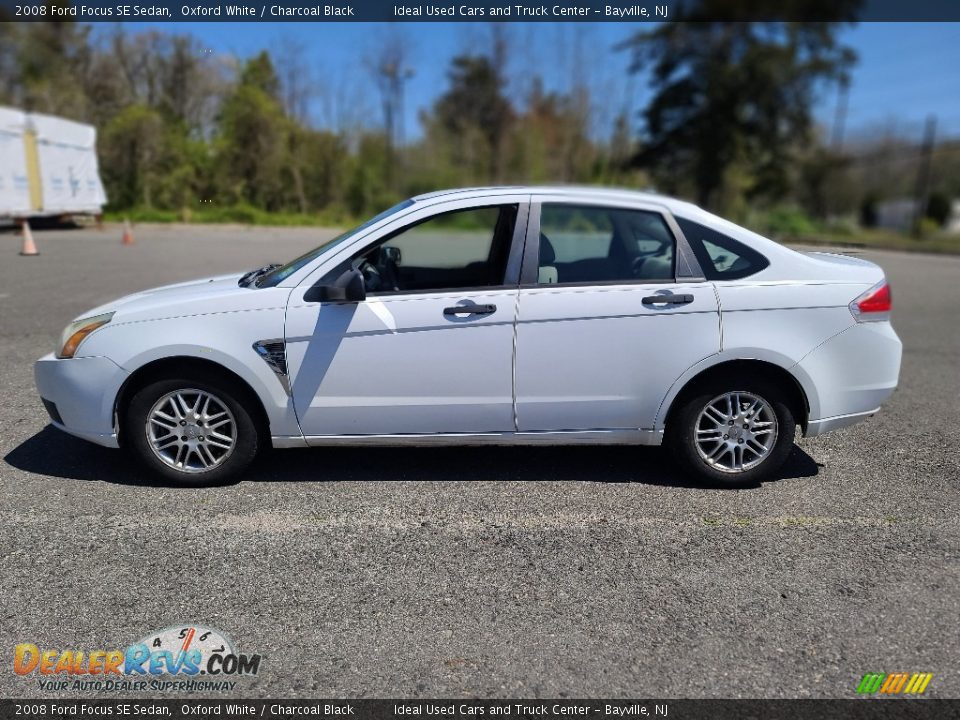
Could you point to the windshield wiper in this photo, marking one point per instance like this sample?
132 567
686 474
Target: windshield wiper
251 277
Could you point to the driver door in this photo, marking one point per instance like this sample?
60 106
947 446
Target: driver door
430 349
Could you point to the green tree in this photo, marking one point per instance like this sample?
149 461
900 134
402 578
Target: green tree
938 208
476 112
367 189
259 73
824 186
325 157
131 151
9 40
51 64
550 138
735 90
253 142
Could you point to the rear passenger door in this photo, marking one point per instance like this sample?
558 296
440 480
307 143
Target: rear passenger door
612 309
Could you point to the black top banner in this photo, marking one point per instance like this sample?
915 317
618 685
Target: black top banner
623 11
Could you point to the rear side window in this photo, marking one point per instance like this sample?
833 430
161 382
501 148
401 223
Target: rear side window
721 257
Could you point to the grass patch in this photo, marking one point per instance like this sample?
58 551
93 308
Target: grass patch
788 231
869 239
801 521
234 214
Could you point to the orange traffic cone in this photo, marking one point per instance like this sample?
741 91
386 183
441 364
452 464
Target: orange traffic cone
127 238
29 246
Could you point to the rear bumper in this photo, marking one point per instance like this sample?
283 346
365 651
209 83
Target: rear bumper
854 373
819 427
79 394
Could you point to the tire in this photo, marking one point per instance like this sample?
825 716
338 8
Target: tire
706 445
205 458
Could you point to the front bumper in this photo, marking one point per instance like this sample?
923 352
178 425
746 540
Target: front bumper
79 395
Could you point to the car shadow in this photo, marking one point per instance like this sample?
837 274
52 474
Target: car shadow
56 454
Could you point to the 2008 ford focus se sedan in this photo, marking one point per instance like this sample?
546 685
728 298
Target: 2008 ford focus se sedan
491 315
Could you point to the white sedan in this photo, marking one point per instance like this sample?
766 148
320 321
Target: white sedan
526 315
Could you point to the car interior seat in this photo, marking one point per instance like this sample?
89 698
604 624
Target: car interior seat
547 273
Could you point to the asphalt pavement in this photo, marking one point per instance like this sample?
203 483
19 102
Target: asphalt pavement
550 572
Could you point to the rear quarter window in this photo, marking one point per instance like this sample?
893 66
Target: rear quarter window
721 257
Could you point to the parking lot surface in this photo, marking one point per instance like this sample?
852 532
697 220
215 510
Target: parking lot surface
578 572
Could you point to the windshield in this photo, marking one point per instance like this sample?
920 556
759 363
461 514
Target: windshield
281 273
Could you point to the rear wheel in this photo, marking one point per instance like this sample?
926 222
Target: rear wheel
734 432
193 432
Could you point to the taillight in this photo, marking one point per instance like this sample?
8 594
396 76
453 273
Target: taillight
875 304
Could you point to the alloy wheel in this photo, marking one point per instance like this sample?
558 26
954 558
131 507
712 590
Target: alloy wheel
736 431
191 430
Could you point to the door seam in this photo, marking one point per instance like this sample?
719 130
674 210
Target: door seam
513 362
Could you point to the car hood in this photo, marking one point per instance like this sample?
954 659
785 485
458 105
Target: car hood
219 293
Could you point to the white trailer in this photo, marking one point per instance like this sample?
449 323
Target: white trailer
48 167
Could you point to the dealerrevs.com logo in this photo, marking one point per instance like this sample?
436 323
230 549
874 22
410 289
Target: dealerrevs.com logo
186 657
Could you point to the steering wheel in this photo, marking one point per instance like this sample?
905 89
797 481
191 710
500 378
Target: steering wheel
388 259
371 276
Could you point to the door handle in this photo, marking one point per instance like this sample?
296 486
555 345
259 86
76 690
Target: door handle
470 310
668 299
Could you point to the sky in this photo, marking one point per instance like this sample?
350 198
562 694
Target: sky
906 71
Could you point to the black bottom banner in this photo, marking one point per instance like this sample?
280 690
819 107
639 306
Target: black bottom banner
483 709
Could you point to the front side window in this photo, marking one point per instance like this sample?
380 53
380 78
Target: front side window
585 244
282 272
460 249
721 257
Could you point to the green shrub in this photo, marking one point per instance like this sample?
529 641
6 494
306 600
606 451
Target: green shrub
841 226
789 221
928 227
241 214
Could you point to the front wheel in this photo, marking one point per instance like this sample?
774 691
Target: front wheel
189 431
732 433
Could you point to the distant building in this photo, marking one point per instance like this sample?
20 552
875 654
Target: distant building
896 214
899 215
953 222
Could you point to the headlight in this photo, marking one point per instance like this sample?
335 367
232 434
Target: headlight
75 333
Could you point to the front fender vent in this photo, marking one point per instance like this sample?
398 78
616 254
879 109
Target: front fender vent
274 353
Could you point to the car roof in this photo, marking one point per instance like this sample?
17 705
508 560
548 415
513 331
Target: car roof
586 193
583 192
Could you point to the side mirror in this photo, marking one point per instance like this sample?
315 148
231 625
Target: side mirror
349 287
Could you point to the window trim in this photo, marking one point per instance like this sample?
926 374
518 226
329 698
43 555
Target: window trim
703 254
686 267
511 268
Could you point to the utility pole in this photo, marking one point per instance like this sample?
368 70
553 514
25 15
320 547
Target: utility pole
840 119
392 74
922 192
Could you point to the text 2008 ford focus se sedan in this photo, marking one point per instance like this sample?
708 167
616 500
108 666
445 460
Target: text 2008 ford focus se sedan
492 315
